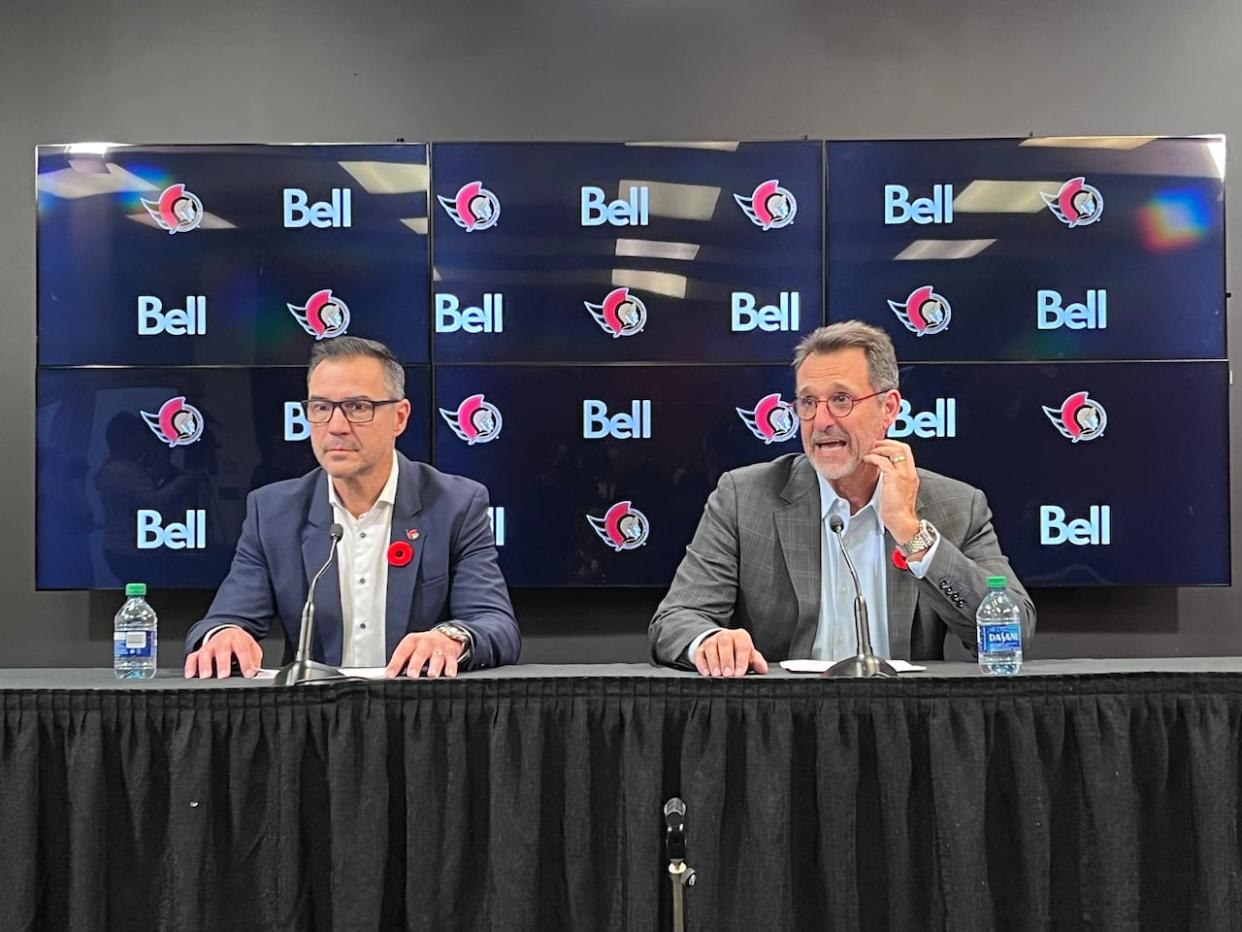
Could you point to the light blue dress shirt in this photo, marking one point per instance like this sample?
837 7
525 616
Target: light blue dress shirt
863 535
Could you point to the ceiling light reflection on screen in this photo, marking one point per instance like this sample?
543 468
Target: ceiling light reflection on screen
388 177
665 283
72 183
1003 197
1121 143
652 249
927 249
678 201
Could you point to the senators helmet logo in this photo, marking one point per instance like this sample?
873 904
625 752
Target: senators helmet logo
323 316
1076 204
473 207
474 420
175 210
176 423
1079 417
621 313
769 206
924 311
771 420
623 527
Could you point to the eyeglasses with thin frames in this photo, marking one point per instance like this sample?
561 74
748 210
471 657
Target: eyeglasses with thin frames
840 404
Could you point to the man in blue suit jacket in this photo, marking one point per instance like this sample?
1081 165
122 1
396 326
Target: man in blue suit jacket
417 581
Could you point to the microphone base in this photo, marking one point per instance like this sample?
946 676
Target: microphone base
861 667
306 671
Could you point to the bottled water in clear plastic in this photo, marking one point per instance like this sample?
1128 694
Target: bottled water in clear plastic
135 636
998 624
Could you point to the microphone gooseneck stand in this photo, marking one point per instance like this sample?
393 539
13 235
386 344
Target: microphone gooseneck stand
303 669
864 663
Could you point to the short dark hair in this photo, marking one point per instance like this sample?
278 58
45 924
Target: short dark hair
344 347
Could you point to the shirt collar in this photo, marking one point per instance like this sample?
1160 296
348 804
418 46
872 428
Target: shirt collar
828 499
387 496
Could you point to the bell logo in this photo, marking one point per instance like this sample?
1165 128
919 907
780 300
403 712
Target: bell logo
496 515
1094 530
899 208
632 425
624 212
452 317
188 321
337 211
152 535
1052 313
297 427
941 421
771 318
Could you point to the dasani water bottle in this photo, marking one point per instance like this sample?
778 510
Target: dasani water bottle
135 636
998 624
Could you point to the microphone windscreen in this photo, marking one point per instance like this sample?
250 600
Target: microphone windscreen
337 532
835 524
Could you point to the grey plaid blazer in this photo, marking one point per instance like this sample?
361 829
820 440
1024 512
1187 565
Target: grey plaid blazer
754 563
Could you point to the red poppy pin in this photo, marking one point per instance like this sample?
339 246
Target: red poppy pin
899 560
399 553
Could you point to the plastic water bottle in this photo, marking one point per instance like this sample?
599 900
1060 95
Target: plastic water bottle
999 626
135 636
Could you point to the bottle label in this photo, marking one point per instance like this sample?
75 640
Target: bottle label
1000 638
132 645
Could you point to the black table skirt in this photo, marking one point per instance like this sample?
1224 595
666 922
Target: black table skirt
1068 802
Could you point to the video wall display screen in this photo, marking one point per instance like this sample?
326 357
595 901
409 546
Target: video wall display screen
612 252
142 474
229 255
597 331
1086 466
1022 249
603 473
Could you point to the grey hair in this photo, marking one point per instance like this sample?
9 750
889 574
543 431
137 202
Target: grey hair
850 334
344 347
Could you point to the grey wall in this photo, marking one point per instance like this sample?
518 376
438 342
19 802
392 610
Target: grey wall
278 70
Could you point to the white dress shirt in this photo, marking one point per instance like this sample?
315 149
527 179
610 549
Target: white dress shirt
362 567
864 537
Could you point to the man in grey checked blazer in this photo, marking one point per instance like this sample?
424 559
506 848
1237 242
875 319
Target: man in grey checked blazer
749 587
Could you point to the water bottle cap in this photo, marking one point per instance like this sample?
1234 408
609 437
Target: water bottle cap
997 582
135 589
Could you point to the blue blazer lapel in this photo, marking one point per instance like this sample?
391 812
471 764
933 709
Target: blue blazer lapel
400 601
326 642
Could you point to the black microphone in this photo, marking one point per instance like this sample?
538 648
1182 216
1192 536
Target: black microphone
865 663
303 669
675 829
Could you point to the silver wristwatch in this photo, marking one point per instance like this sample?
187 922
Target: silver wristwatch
458 634
921 541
